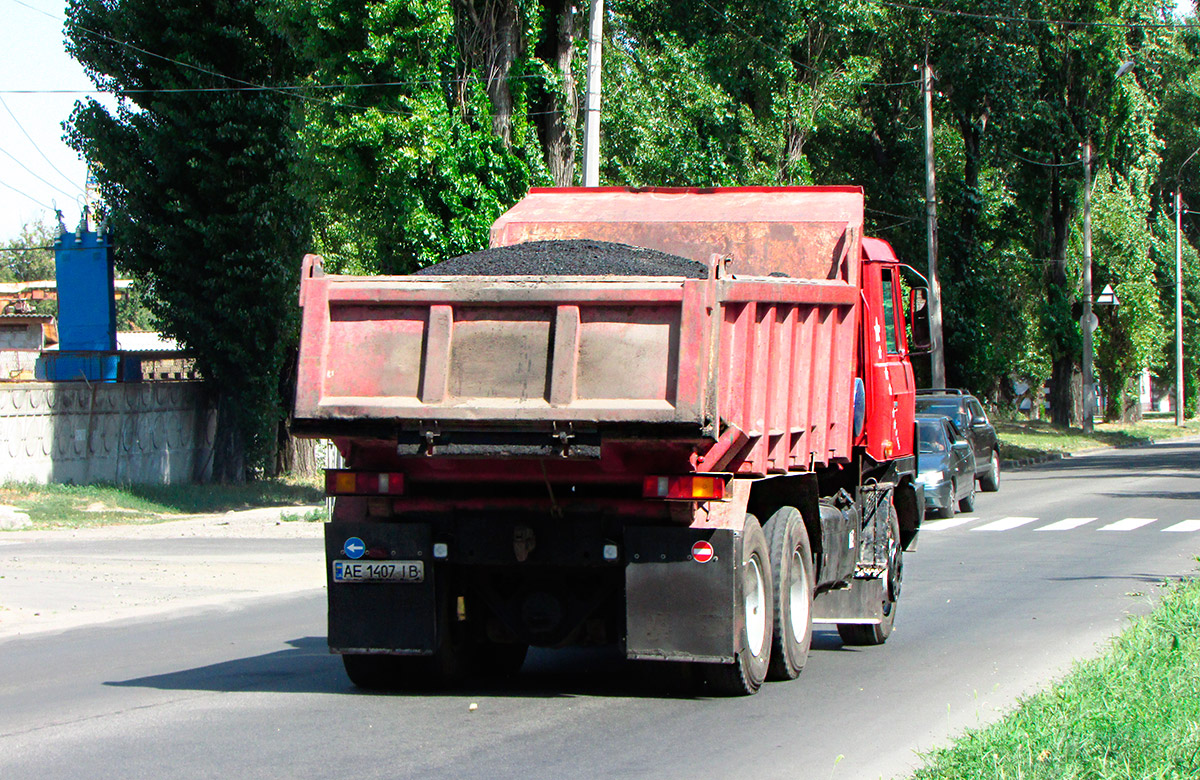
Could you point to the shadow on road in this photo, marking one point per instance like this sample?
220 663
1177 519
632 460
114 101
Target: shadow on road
308 667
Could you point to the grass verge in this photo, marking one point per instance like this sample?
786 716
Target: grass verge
74 506
1025 439
1132 714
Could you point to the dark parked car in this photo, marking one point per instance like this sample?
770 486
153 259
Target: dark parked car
968 414
945 465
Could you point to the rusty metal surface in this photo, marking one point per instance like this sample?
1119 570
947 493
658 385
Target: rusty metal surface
759 367
804 232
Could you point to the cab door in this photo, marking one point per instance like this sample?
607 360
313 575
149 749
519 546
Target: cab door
888 368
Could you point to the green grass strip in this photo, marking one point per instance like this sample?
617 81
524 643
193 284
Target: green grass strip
1132 714
74 506
1024 439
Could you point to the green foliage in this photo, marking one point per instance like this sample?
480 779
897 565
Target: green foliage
29 256
199 185
1129 334
410 173
1130 714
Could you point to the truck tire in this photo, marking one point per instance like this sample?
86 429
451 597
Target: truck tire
990 482
749 668
498 659
856 634
792 571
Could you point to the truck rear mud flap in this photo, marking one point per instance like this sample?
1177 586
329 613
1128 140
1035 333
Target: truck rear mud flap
680 592
861 603
382 588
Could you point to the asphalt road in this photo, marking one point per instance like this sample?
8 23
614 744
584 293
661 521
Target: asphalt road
993 606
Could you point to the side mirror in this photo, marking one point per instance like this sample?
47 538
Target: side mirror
918 320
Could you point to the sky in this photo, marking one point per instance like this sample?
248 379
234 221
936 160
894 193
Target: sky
33 157
37 170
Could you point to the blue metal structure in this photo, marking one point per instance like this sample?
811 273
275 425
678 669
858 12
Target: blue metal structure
87 313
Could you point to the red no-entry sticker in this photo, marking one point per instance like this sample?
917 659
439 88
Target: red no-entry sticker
702 552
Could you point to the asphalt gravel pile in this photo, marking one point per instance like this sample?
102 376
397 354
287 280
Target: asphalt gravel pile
575 257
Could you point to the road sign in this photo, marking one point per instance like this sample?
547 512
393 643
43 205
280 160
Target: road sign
1108 297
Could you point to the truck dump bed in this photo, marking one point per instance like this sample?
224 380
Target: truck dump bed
756 368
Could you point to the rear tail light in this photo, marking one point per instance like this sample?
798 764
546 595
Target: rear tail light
691 487
363 483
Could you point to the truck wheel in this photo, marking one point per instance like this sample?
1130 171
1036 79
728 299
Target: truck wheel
855 634
967 504
744 676
498 659
792 571
990 482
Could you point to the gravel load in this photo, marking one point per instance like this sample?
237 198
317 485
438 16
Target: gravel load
575 257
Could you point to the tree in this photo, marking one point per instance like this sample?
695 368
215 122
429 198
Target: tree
197 166
29 256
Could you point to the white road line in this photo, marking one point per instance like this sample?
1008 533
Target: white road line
950 522
1129 523
1186 527
1006 524
1067 524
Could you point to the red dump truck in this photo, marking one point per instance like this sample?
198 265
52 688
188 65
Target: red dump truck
679 421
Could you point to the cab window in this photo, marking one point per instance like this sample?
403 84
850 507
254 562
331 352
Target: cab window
889 311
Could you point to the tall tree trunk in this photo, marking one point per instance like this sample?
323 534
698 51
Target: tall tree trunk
558 110
969 218
489 38
1063 395
229 452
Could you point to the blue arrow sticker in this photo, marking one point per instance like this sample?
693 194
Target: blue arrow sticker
354 547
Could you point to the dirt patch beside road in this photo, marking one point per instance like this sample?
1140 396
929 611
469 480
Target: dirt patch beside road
50 583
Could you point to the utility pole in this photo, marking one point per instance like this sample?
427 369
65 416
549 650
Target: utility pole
1178 302
591 122
937 353
1089 391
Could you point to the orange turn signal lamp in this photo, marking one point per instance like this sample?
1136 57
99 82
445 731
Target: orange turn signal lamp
691 487
339 482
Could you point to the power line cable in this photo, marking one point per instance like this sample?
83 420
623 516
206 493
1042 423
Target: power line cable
245 85
1027 19
27 195
38 148
34 175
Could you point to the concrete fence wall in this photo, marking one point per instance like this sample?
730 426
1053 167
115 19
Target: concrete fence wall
151 432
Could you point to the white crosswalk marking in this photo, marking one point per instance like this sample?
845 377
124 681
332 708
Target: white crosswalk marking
1129 524
1006 524
950 522
1186 527
1067 524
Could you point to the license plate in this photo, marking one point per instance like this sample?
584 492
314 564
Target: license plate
378 571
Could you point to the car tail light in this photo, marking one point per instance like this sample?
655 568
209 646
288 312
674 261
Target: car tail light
363 483
691 487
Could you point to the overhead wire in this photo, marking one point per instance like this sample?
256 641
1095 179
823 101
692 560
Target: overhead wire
27 195
38 148
54 187
250 86
1026 19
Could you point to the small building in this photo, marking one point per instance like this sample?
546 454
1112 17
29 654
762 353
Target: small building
22 339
